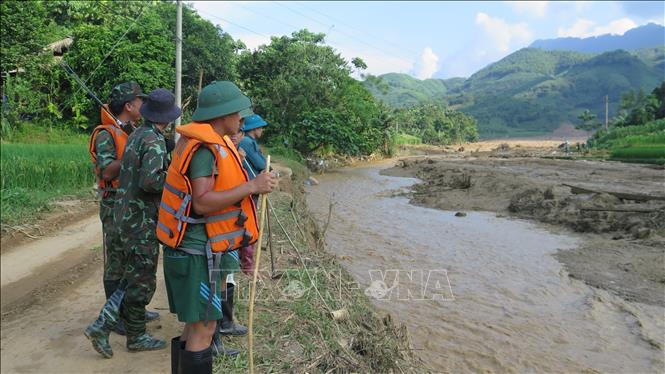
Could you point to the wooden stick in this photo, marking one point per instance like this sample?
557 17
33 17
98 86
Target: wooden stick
252 290
272 256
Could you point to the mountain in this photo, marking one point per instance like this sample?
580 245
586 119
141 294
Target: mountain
402 90
647 36
533 91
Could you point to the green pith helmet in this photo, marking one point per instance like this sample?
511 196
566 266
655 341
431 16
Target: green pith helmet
219 99
125 92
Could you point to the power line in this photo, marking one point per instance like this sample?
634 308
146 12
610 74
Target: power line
235 24
400 47
268 16
352 37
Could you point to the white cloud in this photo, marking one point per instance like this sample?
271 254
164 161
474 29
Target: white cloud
252 41
377 63
427 65
532 8
584 28
503 33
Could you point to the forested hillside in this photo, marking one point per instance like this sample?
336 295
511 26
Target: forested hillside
533 91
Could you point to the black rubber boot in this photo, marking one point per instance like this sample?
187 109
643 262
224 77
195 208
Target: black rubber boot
218 347
227 327
177 346
195 362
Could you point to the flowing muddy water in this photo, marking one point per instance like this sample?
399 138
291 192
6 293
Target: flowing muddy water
480 293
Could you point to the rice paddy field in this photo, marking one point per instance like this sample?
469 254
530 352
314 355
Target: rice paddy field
34 175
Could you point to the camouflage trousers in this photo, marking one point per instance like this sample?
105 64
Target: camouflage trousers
140 272
113 253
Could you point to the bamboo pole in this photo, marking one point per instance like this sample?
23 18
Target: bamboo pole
252 290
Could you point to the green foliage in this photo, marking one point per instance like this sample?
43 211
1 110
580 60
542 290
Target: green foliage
304 89
589 121
208 52
33 175
22 30
144 54
638 108
648 133
402 90
435 124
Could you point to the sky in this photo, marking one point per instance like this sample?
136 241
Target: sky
427 39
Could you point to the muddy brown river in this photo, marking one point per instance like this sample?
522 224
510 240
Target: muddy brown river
480 293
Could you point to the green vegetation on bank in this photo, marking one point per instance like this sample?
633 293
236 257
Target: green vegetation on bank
637 133
34 175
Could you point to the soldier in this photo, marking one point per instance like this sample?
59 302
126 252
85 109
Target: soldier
107 145
142 176
206 214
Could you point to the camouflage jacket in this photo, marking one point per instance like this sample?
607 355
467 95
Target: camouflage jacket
142 176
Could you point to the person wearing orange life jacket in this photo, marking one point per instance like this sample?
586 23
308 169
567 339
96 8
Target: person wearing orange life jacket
206 214
106 147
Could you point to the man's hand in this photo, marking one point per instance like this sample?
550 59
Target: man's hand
263 183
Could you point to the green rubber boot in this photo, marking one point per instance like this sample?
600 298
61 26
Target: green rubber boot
145 342
98 331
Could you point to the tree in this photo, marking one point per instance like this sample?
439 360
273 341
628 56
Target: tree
589 122
304 89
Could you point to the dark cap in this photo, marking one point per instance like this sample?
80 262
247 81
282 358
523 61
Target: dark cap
125 92
160 107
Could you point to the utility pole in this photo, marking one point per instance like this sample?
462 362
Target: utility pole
178 60
606 112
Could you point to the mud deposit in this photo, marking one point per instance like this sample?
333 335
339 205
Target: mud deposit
484 292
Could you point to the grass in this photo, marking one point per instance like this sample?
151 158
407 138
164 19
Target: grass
401 139
31 133
641 153
33 175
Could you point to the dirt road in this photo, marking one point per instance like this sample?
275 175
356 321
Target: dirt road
51 290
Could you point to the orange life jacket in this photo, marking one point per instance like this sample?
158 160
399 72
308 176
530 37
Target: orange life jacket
119 140
228 229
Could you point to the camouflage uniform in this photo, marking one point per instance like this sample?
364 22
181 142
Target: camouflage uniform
142 179
105 151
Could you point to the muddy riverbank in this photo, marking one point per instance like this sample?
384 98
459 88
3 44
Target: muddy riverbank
487 292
